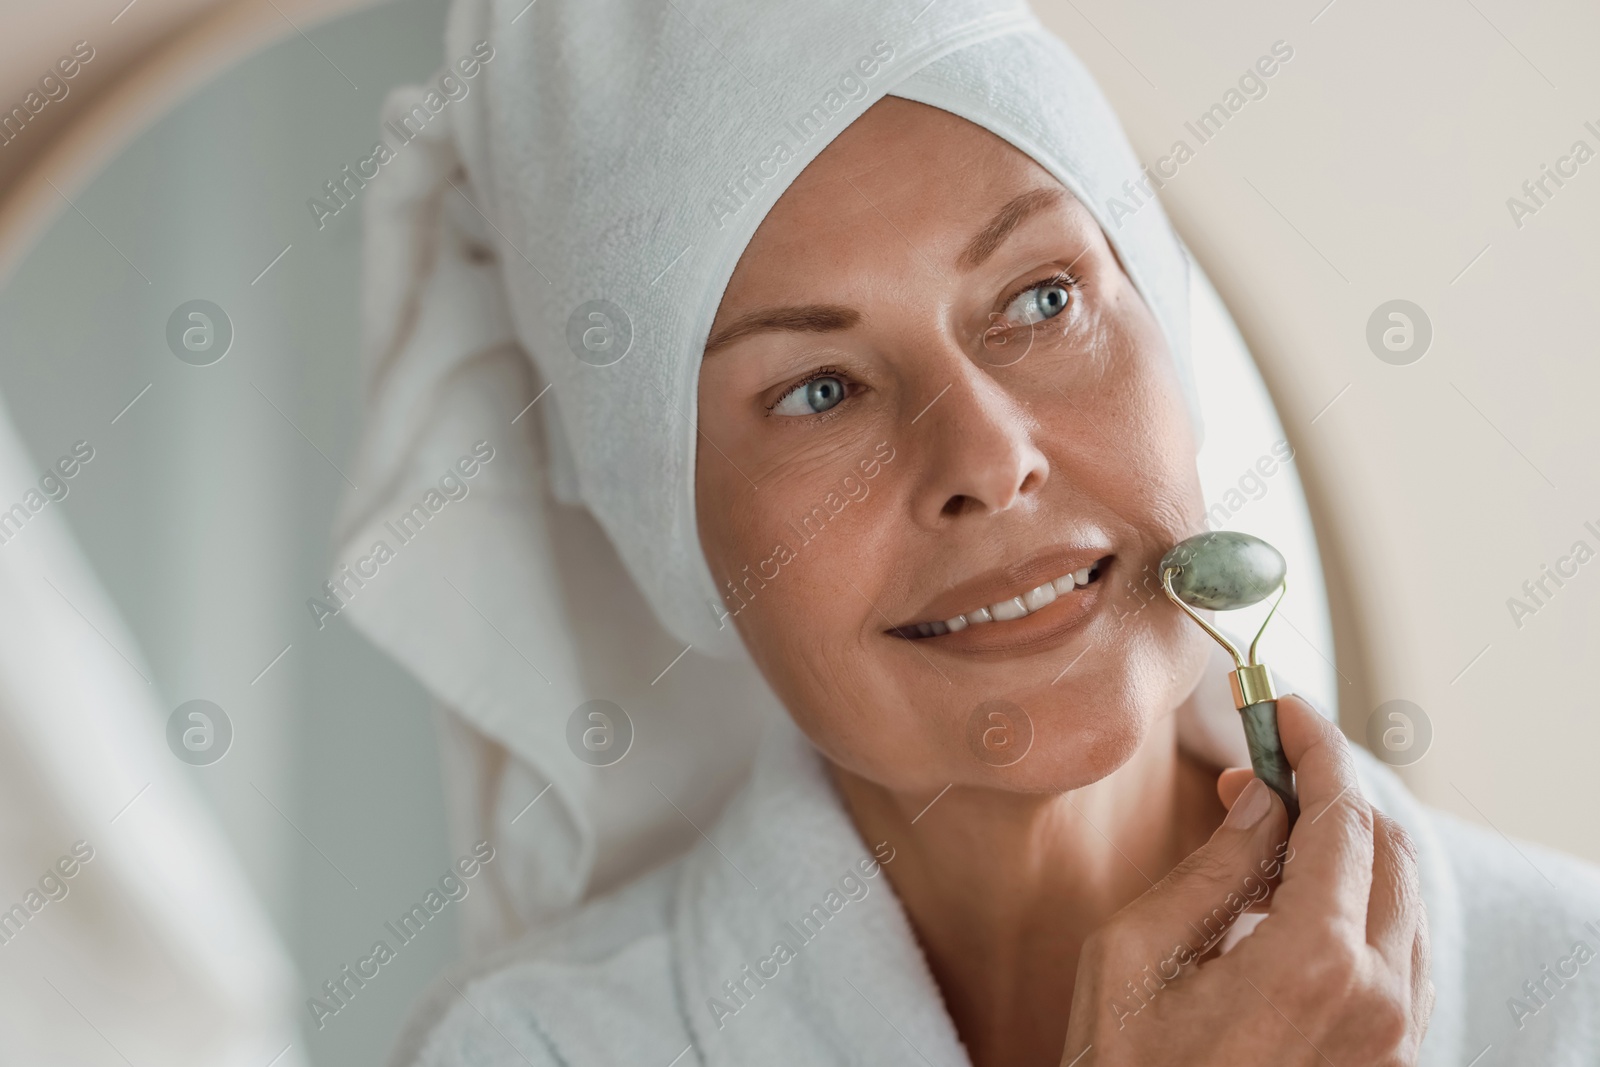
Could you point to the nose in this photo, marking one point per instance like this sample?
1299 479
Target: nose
979 444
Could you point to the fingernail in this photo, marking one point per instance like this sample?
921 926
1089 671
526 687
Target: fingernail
1252 805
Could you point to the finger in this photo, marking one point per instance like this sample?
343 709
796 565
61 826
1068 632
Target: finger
1327 870
1231 783
1196 904
1422 991
1394 905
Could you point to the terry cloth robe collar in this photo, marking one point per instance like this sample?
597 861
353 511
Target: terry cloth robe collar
859 990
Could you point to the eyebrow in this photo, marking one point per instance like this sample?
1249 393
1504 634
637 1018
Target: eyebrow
805 318
1008 218
827 318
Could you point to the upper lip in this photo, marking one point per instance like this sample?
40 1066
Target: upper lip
1003 583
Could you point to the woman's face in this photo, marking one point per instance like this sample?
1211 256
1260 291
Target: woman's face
929 390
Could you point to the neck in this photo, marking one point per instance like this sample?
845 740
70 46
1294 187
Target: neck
1002 888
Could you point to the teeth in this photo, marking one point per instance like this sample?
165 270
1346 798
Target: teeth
1015 608
1007 610
1035 599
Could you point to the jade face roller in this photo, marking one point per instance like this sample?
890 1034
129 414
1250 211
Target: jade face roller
1222 571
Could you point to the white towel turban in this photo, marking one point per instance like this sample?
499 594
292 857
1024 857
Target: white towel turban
564 231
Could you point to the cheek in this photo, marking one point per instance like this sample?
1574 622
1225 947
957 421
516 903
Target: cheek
777 550
805 560
1138 403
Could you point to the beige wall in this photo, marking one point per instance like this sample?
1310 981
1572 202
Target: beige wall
1378 166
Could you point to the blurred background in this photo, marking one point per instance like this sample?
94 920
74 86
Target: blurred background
205 517
1428 475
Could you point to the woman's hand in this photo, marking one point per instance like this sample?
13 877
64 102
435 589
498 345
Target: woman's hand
1337 971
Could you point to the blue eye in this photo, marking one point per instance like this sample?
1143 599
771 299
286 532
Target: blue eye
1043 301
812 397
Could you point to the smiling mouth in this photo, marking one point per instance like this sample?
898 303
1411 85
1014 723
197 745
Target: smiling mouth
1010 609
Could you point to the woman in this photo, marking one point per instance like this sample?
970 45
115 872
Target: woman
916 416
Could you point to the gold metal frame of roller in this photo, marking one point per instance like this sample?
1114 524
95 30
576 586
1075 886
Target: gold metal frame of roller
1251 681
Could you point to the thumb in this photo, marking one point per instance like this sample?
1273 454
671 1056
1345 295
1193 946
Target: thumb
1196 904
1231 782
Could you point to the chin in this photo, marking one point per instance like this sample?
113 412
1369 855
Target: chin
1078 739
1085 732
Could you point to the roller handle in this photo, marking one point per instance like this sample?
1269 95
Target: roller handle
1266 753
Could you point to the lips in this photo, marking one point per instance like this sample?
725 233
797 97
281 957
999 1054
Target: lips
1003 597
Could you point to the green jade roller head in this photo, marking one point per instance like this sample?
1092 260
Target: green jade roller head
1222 571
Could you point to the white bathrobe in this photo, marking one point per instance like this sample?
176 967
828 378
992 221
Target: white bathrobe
647 975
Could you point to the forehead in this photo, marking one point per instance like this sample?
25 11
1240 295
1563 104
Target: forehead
899 142
905 179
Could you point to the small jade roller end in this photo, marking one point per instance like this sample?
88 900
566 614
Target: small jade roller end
1222 571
